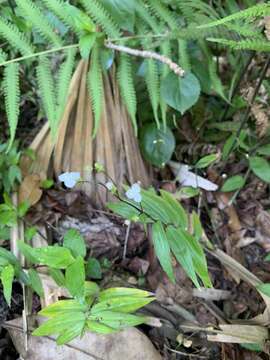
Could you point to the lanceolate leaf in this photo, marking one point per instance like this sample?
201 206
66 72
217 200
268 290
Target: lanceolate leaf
162 249
7 276
71 333
123 304
36 283
63 306
117 320
75 278
179 213
118 292
260 167
12 98
74 241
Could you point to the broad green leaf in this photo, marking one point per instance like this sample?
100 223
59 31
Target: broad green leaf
181 93
5 254
63 306
264 288
120 291
260 167
123 209
97 327
188 192
117 320
157 145
8 218
233 183
86 43
182 253
23 208
54 256
74 241
36 283
206 161
162 249
156 207
93 269
7 276
60 323
57 276
264 150
124 304
75 278
28 252
179 213
71 333
91 289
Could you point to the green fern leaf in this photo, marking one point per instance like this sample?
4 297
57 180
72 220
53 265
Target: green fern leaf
96 87
14 37
12 98
3 56
36 16
162 12
252 12
63 81
153 87
146 16
184 55
127 88
243 44
165 50
101 16
46 87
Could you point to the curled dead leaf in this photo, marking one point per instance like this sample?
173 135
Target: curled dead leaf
30 189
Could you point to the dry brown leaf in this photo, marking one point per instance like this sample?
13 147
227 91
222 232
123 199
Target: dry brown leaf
211 294
29 189
129 344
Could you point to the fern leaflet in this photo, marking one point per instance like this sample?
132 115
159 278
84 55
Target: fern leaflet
96 87
12 98
152 84
46 87
3 56
14 37
127 88
100 15
244 44
63 81
183 55
252 12
36 17
162 12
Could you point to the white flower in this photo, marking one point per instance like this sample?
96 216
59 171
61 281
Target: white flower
70 179
109 185
134 193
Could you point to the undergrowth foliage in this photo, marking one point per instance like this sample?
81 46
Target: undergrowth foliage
167 28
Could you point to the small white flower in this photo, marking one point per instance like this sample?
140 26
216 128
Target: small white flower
127 222
70 179
109 185
134 193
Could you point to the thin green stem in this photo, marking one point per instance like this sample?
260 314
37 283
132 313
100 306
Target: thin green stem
50 51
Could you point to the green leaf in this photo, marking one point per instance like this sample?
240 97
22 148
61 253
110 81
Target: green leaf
180 93
118 321
233 183
53 256
71 333
75 278
14 173
179 213
123 12
86 43
126 292
60 323
29 233
91 289
124 304
8 218
28 252
63 306
123 209
7 276
36 283
57 276
156 207
264 150
93 269
196 226
23 208
260 167
206 161
47 184
264 288
162 249
5 254
74 241
157 145
99 328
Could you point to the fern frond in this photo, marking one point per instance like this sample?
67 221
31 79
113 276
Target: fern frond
153 86
243 44
184 55
46 87
163 13
193 9
165 50
63 81
34 14
246 30
58 7
127 88
96 87
101 16
252 12
3 56
12 98
14 37
146 16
